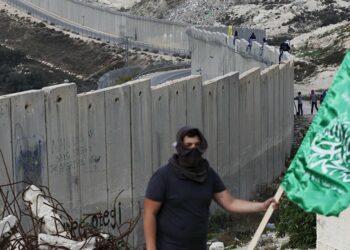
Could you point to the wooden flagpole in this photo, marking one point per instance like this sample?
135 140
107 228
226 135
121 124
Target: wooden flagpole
264 221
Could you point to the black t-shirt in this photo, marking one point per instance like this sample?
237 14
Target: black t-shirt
182 222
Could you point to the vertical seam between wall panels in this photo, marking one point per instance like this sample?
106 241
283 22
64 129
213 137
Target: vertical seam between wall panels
11 141
77 127
106 153
46 146
131 149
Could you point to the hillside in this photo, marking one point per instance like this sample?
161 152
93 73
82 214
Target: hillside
35 54
318 29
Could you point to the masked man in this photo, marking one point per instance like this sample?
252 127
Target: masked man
178 196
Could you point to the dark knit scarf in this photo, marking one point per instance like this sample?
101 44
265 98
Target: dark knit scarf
189 163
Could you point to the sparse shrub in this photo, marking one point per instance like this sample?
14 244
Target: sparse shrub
10 57
297 224
41 25
123 79
276 41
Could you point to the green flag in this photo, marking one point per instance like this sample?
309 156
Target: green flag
318 179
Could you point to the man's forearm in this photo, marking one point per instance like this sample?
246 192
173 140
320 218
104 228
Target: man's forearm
150 230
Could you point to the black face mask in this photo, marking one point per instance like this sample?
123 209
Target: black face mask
189 163
191 158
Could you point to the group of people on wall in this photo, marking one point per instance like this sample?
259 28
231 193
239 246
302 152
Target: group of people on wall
313 101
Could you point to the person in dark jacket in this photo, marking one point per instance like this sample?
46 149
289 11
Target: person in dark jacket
299 98
250 41
283 47
313 100
178 196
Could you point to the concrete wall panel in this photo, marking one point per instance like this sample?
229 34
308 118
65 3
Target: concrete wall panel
271 123
141 141
118 149
63 145
283 120
233 181
194 109
290 115
265 116
243 136
29 138
277 120
256 115
6 176
210 120
177 107
92 155
248 169
223 111
161 125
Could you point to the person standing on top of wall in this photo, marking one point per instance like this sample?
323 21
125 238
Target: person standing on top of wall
235 37
299 98
283 47
178 196
250 41
313 100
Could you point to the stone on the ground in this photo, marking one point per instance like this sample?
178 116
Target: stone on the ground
62 242
217 246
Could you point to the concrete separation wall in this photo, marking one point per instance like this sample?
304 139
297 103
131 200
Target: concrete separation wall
156 32
99 143
113 26
215 54
243 32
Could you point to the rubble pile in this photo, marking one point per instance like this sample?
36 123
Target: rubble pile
32 219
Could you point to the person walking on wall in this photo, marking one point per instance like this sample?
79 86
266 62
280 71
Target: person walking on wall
178 196
313 100
299 98
250 41
283 47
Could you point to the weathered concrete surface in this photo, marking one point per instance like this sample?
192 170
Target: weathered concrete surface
233 179
210 119
177 108
29 137
332 232
141 141
61 107
118 149
6 176
92 153
194 99
161 142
